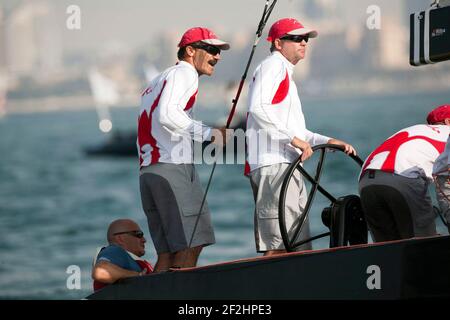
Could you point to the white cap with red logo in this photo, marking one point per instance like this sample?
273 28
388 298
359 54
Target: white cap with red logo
204 35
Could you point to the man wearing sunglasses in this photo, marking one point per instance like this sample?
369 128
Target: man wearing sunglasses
277 135
170 188
122 258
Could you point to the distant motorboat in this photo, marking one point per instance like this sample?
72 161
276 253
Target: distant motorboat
119 144
123 143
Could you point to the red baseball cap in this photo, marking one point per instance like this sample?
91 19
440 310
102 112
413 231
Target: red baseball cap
439 114
289 26
204 35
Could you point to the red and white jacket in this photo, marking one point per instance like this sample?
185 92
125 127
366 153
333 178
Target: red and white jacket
275 115
166 129
410 152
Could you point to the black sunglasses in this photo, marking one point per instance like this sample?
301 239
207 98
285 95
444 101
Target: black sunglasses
212 50
135 233
296 38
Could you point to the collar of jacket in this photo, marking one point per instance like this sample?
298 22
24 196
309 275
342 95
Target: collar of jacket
289 66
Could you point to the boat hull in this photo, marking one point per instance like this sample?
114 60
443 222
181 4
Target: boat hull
415 268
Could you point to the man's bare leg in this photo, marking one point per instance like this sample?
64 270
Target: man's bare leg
165 261
187 258
274 252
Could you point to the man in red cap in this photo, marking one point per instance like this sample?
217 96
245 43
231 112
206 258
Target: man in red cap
170 188
277 134
441 173
395 177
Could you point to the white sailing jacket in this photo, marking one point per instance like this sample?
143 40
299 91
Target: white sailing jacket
166 129
275 115
442 163
410 152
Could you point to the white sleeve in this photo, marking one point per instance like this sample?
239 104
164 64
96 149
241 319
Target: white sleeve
442 163
180 85
315 139
447 152
266 83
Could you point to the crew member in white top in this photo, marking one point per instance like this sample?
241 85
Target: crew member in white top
395 177
170 188
277 134
441 176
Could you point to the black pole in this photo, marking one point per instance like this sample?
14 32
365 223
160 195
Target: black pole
266 14
262 24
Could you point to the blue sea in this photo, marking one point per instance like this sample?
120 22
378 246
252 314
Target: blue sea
56 202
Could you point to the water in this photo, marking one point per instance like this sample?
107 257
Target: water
56 203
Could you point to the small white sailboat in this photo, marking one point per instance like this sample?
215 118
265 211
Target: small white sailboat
105 93
150 73
2 104
3 90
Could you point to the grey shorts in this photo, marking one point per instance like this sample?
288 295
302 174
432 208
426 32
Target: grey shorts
396 207
443 196
171 196
266 184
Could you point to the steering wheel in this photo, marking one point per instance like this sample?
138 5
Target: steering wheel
348 203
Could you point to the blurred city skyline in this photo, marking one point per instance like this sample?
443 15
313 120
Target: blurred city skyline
128 41
135 22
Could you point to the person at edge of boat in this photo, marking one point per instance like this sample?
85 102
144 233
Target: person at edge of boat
395 177
170 188
277 135
122 257
441 176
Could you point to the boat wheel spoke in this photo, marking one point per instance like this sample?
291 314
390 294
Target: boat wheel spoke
290 241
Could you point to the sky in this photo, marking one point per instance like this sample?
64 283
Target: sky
134 22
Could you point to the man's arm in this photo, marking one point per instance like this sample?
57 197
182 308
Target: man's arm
307 150
316 139
348 149
107 272
180 86
304 146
